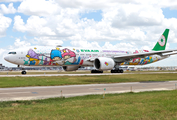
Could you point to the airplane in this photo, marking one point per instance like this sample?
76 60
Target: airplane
71 58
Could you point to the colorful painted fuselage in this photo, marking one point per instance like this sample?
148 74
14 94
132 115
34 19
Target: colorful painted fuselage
64 56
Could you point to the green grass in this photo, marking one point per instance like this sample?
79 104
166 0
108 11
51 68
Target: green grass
34 72
68 80
43 72
128 106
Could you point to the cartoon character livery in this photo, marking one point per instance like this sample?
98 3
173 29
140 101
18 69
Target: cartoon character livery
56 55
72 58
68 56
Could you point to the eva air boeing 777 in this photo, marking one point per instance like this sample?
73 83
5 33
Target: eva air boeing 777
71 58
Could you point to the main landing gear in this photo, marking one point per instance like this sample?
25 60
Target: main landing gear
117 71
96 71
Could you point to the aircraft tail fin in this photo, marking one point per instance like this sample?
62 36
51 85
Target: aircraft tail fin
161 43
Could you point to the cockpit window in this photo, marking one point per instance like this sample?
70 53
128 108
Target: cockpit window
12 53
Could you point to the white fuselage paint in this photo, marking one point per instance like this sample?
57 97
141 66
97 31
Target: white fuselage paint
70 56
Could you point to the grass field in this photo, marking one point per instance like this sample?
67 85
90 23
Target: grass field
43 72
133 106
67 80
33 72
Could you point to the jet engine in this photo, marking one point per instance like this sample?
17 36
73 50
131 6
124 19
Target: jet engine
103 63
70 68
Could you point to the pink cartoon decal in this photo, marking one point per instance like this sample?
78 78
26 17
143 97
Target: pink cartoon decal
136 51
68 55
135 60
146 50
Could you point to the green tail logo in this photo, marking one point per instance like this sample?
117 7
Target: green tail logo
161 44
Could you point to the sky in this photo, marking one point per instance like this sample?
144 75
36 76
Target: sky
108 24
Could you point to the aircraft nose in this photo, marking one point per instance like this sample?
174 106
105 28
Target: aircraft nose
6 58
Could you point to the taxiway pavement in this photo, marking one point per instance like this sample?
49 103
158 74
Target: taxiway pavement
43 92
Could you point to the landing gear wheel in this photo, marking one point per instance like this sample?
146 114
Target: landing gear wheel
96 71
23 72
121 71
117 71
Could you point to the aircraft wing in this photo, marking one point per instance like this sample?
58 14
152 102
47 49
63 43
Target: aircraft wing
126 57
173 53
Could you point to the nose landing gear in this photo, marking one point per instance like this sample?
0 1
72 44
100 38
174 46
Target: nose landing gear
23 72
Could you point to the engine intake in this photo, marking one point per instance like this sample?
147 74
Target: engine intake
103 63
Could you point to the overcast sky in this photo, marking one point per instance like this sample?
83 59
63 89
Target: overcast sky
110 24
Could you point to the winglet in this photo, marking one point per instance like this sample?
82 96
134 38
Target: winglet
161 43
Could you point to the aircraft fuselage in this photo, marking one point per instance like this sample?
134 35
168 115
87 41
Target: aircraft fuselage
71 56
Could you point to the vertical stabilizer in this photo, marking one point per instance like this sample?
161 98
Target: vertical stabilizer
161 43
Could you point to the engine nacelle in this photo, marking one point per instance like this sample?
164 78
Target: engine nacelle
70 68
103 63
